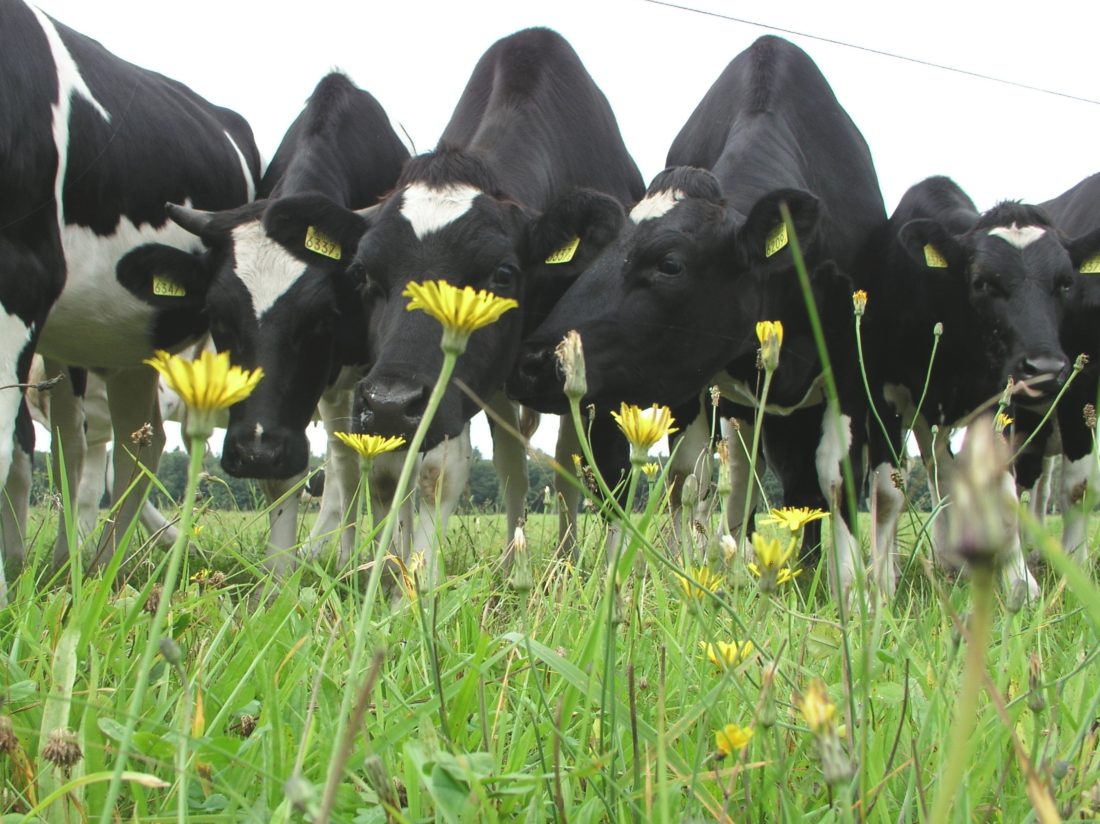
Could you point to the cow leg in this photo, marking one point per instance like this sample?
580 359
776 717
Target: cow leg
281 495
67 450
739 434
16 500
887 503
384 473
835 445
691 455
510 462
1015 569
1080 479
339 501
132 401
97 438
568 494
444 471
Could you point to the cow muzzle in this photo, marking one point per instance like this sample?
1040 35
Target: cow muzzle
537 378
389 407
1039 377
251 451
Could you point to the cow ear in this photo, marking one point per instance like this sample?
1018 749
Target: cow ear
315 229
572 232
765 236
166 277
931 246
1084 251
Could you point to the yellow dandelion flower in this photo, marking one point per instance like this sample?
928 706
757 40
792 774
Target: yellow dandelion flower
769 554
207 385
461 311
651 470
859 301
793 518
643 427
816 708
732 739
770 335
698 582
724 654
371 446
1002 422
408 572
577 463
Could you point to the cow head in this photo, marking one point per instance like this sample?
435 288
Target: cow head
447 220
1013 276
278 296
675 298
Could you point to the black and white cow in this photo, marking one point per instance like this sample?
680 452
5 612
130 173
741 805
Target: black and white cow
91 148
999 282
496 198
671 306
1076 215
279 296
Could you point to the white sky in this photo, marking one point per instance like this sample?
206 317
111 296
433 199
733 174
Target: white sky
654 63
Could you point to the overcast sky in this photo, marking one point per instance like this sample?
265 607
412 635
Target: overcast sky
654 62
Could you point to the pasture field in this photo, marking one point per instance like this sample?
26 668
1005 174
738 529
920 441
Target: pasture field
569 702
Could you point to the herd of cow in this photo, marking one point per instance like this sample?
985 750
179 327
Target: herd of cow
134 217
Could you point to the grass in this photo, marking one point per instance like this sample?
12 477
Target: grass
492 706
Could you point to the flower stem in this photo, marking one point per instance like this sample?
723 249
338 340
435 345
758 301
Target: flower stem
966 706
156 628
338 757
753 452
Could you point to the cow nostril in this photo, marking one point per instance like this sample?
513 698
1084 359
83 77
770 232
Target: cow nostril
534 362
1032 366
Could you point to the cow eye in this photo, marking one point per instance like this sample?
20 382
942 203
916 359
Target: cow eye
670 264
981 285
1064 285
505 276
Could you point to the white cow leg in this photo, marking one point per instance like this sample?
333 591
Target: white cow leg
384 473
1015 570
887 502
13 514
742 484
66 457
444 471
691 456
281 495
97 439
1079 482
836 440
133 402
339 502
568 494
510 462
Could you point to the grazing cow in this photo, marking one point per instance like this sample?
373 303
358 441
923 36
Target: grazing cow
999 283
91 148
486 209
280 296
670 307
1076 215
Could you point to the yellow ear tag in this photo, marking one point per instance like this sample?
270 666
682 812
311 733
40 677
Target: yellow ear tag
932 257
565 253
168 288
322 244
1091 266
776 240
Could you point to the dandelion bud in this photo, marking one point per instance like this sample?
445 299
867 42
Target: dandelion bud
301 794
983 530
725 481
689 495
715 396
577 465
63 750
379 781
521 564
171 652
152 603
937 330
859 302
729 548
766 715
8 741
651 470
1060 770
1036 702
244 726
770 335
836 767
1081 362
143 436
1090 416
570 356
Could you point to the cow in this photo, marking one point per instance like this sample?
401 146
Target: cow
530 161
999 282
670 306
1076 215
91 148
281 296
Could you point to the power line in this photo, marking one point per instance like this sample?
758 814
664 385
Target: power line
880 52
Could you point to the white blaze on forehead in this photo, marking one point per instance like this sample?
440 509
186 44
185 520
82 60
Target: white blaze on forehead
266 269
1019 236
656 205
429 210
